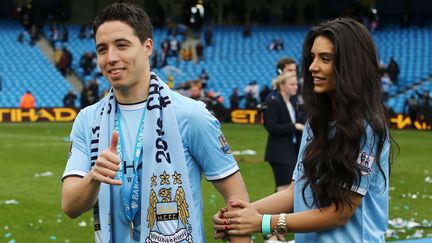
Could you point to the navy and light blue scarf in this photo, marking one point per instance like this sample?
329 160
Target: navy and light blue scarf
168 213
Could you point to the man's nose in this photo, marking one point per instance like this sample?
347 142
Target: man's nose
112 55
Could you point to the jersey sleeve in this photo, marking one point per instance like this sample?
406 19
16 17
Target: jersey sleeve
78 163
208 145
367 161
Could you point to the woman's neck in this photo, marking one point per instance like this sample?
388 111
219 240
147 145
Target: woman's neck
286 97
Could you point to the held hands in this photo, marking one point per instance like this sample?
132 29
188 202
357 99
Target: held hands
242 222
108 163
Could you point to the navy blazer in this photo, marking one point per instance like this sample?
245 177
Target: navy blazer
280 146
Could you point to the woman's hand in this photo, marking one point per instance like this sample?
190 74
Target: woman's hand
245 221
219 222
299 126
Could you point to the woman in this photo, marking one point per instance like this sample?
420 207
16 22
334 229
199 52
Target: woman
284 128
341 181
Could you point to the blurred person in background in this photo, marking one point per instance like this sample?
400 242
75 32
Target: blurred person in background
284 129
195 92
27 101
235 99
393 70
251 94
386 85
69 99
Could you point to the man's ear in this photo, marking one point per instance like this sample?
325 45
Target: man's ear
148 44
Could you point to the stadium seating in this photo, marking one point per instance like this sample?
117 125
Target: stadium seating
24 67
233 61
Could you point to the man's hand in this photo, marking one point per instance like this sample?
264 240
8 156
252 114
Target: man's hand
108 163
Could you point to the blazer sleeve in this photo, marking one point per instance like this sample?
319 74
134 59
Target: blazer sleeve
272 119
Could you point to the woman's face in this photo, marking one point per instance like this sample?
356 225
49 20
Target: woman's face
290 86
321 67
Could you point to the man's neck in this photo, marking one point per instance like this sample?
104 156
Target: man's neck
133 94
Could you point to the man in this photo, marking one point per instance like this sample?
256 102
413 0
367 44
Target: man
285 65
137 155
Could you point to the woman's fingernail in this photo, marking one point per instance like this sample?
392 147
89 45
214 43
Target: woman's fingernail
227 227
222 215
225 222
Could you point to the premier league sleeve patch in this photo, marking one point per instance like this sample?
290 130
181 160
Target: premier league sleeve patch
365 162
224 144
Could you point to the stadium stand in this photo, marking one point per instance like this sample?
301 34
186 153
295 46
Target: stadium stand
234 61
24 67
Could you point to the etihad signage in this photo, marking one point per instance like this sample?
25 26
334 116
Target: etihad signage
60 114
398 121
239 116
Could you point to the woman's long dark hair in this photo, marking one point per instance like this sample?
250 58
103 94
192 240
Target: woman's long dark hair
329 162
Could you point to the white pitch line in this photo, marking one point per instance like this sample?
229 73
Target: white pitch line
33 145
32 137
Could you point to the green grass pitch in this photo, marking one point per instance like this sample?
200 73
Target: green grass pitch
29 149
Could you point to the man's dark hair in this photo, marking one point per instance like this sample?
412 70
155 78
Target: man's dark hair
131 14
282 63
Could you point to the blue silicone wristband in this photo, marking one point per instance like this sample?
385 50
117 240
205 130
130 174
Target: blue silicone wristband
265 224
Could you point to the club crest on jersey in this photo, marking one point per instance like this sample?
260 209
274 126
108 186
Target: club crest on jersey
168 219
224 144
365 162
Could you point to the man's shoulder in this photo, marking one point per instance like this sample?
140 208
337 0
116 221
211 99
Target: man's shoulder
184 106
89 113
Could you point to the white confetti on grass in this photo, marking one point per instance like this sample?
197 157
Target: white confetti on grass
44 174
11 201
244 152
82 224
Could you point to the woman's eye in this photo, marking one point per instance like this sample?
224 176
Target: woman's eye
326 59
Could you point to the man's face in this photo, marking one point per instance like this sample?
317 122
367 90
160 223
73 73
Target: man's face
123 60
290 68
195 92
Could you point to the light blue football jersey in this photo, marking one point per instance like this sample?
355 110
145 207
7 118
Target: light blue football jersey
369 222
205 148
